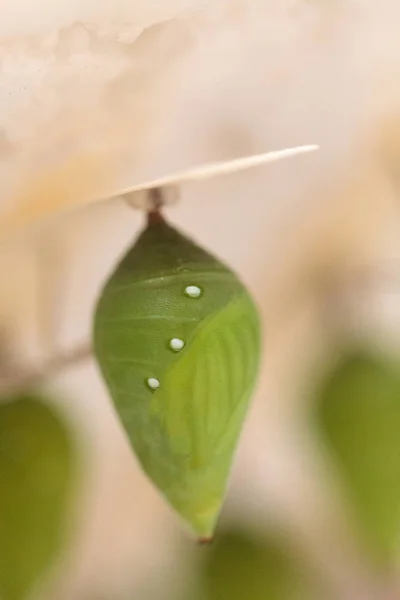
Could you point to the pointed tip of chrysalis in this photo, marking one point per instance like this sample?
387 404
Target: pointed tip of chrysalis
205 541
200 523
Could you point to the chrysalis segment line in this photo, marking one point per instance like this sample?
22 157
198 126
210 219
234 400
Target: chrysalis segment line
182 276
142 318
130 361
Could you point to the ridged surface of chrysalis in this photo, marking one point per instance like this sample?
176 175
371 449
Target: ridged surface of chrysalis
177 338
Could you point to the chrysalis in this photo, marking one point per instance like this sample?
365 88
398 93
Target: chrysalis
177 338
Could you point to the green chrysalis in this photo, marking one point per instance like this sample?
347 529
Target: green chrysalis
177 338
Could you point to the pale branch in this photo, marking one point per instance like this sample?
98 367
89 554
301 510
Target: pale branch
22 377
14 221
216 169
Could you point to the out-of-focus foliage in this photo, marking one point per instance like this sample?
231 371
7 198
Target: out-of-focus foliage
36 468
358 411
239 566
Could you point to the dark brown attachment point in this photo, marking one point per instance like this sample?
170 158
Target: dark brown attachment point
154 217
156 201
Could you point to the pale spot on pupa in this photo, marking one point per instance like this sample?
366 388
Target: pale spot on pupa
193 291
153 383
176 344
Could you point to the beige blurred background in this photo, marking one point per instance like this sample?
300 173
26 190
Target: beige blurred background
98 95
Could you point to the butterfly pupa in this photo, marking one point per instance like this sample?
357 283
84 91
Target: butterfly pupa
177 338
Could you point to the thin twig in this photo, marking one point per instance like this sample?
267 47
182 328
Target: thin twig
19 378
215 170
15 220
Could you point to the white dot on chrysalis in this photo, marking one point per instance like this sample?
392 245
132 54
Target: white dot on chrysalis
176 344
193 291
153 383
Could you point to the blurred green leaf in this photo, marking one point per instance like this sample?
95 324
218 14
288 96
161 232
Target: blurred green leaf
35 477
240 567
358 410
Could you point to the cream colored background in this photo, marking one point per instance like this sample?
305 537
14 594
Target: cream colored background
94 95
